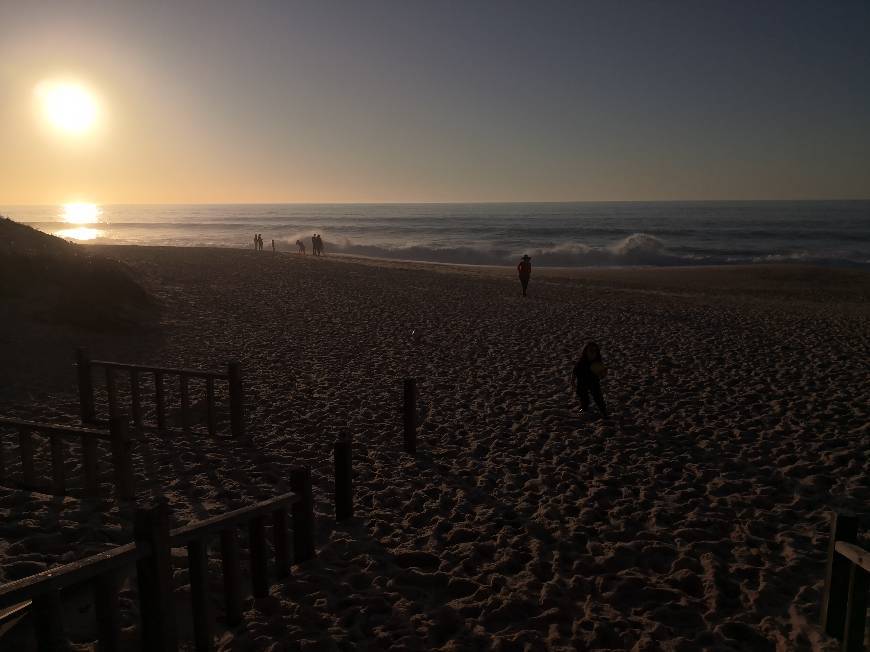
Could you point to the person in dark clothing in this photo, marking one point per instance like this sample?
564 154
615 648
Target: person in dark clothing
587 376
524 270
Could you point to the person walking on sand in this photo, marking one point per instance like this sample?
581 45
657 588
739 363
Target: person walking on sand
586 378
524 269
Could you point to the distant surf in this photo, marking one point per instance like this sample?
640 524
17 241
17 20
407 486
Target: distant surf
555 234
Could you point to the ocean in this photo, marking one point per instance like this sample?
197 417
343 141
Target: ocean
553 234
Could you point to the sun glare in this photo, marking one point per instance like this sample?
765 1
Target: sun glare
68 106
81 213
80 233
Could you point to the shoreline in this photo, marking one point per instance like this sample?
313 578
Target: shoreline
816 283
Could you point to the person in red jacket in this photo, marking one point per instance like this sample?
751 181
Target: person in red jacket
524 269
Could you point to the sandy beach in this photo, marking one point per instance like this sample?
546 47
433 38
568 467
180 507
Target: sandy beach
696 518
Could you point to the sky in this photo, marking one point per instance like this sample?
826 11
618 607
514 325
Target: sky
412 101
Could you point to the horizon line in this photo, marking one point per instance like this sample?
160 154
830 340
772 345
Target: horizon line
442 203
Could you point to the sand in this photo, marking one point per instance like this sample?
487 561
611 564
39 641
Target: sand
696 518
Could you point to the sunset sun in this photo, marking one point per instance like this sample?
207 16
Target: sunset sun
69 107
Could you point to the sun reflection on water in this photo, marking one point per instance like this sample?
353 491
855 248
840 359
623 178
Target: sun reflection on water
80 233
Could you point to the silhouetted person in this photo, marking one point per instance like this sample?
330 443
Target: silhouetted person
273 247
319 245
256 241
524 269
301 246
587 376
314 244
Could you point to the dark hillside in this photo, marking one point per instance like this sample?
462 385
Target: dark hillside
54 296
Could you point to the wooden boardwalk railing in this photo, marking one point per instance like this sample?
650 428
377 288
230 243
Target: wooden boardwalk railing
151 555
121 458
87 403
847 583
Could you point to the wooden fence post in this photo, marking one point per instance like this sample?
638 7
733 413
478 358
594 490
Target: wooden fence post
410 415
121 458
343 479
154 572
197 559
58 480
25 447
86 386
856 610
281 542
232 575
136 400
111 392
259 562
159 404
108 612
237 400
303 515
843 528
48 621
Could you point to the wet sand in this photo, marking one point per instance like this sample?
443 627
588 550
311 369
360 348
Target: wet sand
696 518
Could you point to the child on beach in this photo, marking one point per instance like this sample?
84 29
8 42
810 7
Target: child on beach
587 375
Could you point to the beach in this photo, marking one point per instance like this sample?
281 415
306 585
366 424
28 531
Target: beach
697 517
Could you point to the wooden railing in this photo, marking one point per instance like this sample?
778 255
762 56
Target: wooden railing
121 456
87 403
847 581
151 554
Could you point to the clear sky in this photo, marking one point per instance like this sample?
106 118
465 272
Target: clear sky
438 101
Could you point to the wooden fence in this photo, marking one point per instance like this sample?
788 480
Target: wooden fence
150 553
87 403
121 458
847 580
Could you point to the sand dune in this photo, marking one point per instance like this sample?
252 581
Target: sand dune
695 519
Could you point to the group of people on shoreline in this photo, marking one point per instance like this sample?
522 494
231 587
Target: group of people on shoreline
316 245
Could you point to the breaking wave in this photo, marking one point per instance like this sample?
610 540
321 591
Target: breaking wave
636 249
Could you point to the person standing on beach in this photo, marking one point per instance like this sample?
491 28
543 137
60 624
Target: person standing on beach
256 241
273 247
524 269
314 245
586 378
319 245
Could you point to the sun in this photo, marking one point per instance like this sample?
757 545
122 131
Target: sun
68 106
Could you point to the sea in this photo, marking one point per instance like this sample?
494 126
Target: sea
833 233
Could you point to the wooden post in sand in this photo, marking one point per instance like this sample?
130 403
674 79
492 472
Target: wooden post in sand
156 599
343 479
237 400
121 458
409 411
86 386
232 576
856 609
303 515
843 528
111 392
259 561
25 446
48 618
